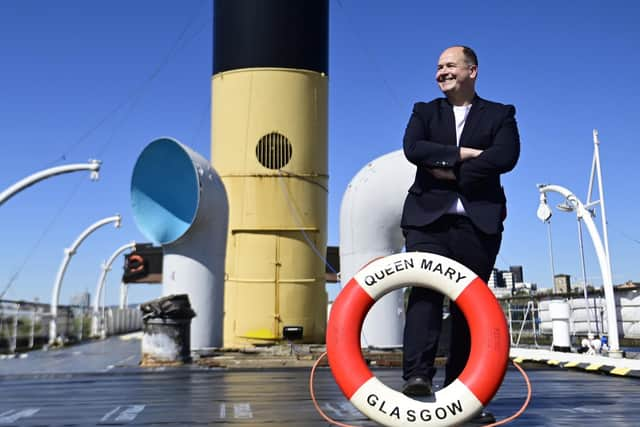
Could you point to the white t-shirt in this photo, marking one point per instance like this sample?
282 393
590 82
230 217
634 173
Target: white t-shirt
460 113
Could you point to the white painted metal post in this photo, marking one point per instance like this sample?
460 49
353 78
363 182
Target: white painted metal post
14 338
124 289
533 322
553 267
597 170
510 322
605 268
105 326
68 253
32 331
93 166
584 277
96 321
524 321
81 324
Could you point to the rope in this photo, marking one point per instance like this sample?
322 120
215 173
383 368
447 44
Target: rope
313 395
524 405
497 423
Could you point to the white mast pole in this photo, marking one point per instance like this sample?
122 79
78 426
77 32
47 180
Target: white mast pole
605 267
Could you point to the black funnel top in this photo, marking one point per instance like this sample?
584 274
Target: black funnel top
271 33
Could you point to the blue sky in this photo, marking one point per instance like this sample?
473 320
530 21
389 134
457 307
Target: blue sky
83 80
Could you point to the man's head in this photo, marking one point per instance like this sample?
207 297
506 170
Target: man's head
457 72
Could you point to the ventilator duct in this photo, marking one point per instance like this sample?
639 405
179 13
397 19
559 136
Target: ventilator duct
369 228
179 202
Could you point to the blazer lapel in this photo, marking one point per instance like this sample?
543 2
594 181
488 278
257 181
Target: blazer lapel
448 122
475 114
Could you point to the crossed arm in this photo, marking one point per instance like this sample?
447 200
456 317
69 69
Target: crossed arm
464 164
447 174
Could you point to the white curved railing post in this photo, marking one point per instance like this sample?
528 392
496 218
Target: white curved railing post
93 166
68 253
603 261
97 324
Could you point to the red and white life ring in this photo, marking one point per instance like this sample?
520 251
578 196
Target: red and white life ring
481 377
135 263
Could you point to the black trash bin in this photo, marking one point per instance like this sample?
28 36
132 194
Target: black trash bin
166 326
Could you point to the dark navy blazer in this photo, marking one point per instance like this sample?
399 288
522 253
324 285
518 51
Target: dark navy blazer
430 141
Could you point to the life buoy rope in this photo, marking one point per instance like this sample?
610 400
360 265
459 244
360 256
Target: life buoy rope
487 363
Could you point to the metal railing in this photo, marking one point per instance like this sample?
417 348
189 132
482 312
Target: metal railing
25 325
523 322
530 322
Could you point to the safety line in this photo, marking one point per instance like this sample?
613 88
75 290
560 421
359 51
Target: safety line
497 423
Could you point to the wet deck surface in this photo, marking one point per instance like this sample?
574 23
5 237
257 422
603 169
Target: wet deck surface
100 384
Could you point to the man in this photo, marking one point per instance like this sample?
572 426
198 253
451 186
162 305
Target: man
461 144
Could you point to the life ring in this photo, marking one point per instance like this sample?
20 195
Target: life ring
487 363
135 263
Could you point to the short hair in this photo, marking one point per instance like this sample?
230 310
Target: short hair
469 55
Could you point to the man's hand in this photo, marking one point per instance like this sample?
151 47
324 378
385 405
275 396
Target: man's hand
441 173
467 153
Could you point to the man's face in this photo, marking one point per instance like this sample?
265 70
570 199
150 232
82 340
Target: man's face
454 74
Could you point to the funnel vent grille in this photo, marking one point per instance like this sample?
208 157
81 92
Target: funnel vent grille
274 151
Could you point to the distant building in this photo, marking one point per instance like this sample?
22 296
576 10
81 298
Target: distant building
507 278
525 285
505 282
502 292
83 299
494 279
516 270
562 283
628 285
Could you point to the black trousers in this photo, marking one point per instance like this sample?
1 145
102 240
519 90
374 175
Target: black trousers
455 237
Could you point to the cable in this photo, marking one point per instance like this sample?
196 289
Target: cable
367 53
497 423
303 178
623 234
294 213
313 395
203 119
136 93
299 224
35 246
524 405
133 98
504 260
